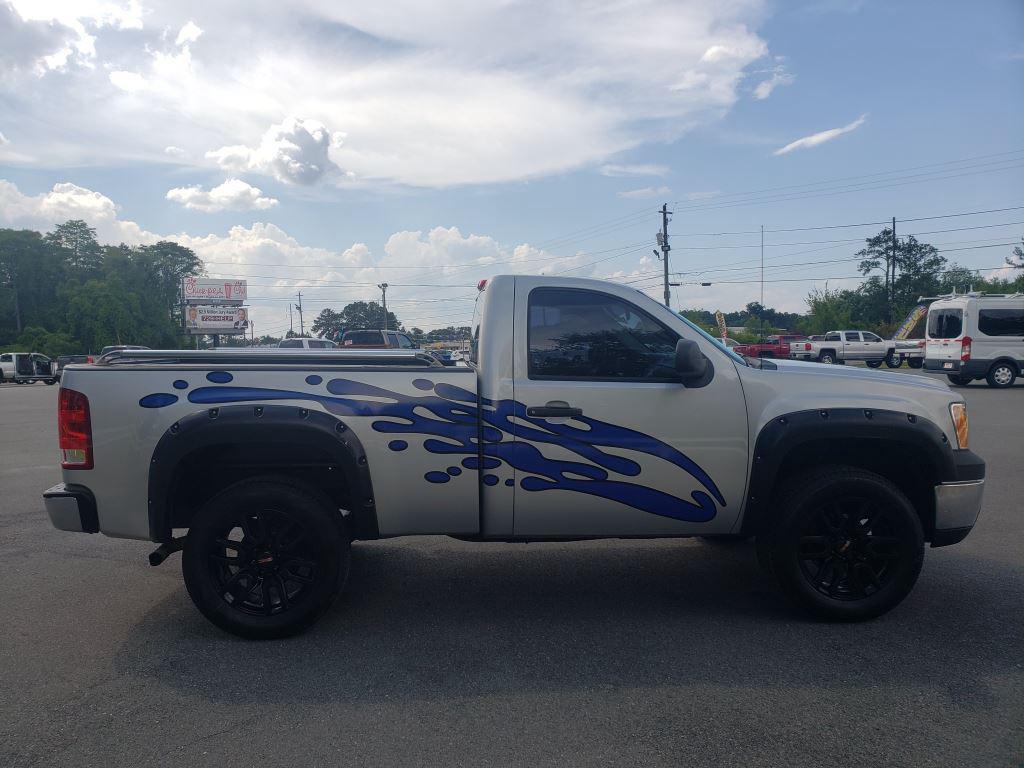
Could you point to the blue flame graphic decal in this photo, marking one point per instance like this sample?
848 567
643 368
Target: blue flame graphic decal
448 414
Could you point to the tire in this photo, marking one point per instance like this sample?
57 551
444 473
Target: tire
873 363
1001 375
50 382
294 550
893 361
958 380
827 357
915 362
845 544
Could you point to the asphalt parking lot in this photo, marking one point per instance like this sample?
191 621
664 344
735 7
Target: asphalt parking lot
450 653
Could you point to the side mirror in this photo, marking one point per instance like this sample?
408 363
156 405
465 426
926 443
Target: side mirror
691 365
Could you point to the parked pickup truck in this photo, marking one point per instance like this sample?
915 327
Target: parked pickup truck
27 368
588 410
773 347
843 346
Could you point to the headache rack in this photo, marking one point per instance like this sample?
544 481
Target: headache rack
407 358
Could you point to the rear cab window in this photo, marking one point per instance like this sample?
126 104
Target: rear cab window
363 338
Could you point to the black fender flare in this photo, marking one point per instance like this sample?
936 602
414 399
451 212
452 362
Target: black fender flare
787 433
247 424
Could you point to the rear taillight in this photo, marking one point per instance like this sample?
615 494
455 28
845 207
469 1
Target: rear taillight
75 430
89 359
807 347
965 349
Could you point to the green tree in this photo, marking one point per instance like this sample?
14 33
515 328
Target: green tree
328 323
829 310
365 314
76 242
918 270
22 271
1017 260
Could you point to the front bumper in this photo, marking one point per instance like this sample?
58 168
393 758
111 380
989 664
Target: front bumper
71 508
958 502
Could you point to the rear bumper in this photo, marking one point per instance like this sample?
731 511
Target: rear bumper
958 502
975 368
71 508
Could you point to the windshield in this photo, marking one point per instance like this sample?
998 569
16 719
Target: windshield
721 344
945 323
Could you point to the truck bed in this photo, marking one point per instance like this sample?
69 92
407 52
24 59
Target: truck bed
412 416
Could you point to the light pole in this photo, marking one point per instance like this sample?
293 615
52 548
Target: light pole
384 301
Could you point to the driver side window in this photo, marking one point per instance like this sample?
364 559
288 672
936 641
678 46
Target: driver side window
576 334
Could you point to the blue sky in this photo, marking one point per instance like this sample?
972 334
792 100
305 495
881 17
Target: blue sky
324 148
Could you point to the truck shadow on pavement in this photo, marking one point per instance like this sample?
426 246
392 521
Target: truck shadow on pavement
425 619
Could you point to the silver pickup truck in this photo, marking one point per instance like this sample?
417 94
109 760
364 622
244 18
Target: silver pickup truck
846 346
587 410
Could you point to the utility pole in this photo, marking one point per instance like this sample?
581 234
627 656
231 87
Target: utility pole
302 328
384 301
665 248
762 281
892 282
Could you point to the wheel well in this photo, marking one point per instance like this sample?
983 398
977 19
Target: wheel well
207 451
203 473
1009 361
905 465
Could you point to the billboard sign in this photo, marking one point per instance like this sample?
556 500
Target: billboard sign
219 320
203 290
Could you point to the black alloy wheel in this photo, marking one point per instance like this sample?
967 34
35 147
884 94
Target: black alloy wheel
845 544
266 557
262 561
848 550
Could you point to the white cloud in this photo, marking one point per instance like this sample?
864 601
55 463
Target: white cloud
433 94
701 195
294 151
644 169
68 201
779 78
3 139
174 151
645 192
821 137
188 34
74 20
232 195
128 81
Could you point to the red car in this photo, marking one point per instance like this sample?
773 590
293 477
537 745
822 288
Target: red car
773 346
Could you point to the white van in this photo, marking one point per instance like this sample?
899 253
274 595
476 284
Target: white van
976 336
